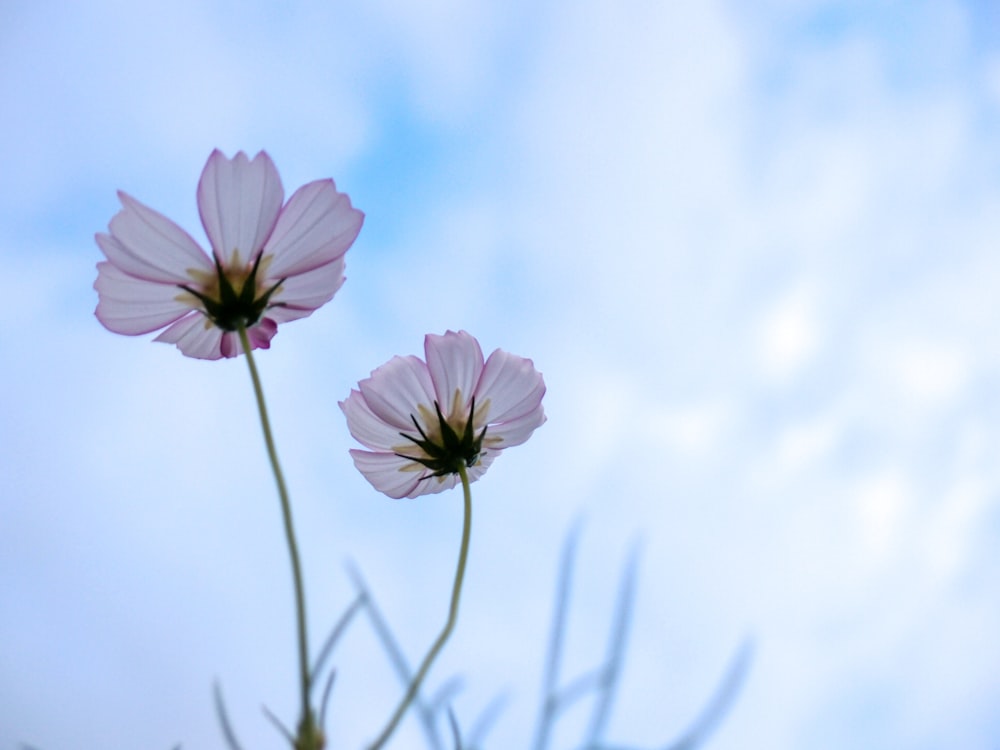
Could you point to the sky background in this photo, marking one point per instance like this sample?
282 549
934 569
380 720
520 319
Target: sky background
752 248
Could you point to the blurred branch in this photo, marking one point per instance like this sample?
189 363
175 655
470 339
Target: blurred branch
720 703
227 728
335 634
611 672
550 701
603 681
711 715
395 653
456 734
331 641
326 699
486 721
441 699
440 702
278 725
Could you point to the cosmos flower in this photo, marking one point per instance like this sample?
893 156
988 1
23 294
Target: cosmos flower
423 420
270 263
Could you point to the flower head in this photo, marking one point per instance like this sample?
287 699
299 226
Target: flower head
422 420
270 263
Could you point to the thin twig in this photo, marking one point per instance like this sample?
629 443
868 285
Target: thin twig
485 721
278 725
611 671
712 714
551 675
446 693
227 728
395 653
456 734
335 634
577 689
326 700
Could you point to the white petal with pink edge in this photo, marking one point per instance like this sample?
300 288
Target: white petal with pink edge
388 473
367 428
511 384
195 336
315 227
516 431
396 390
148 245
239 201
307 291
133 306
431 485
455 362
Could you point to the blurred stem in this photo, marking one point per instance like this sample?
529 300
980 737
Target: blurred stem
308 731
456 594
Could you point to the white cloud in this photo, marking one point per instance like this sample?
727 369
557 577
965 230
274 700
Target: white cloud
952 528
753 262
882 502
788 334
929 372
805 445
692 430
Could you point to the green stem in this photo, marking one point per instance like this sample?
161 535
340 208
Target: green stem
307 724
456 594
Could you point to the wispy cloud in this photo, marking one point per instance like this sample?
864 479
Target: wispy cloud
752 253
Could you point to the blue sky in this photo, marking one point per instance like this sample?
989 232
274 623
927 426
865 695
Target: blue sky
752 250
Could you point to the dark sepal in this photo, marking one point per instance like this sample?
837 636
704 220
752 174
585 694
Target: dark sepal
232 309
454 451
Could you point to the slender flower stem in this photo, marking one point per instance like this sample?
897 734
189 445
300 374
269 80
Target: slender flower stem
456 594
307 728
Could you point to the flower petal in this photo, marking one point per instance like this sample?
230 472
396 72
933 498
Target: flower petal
131 306
396 389
315 227
455 362
195 336
516 431
261 334
298 296
433 485
511 384
366 427
480 467
399 477
146 244
388 473
239 201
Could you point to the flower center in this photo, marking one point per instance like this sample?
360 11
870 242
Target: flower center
445 454
227 306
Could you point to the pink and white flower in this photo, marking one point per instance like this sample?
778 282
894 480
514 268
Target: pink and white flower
271 263
421 419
